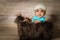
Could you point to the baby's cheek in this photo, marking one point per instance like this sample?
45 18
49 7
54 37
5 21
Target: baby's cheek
43 13
37 13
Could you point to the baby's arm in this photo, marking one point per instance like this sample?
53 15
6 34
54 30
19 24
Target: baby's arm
34 20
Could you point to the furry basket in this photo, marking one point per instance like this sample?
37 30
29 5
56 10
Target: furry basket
30 31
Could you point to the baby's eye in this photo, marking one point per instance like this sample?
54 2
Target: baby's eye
42 10
37 10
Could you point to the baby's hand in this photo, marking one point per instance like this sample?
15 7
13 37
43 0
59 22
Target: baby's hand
36 21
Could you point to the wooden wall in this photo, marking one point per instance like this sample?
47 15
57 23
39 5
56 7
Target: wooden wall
8 9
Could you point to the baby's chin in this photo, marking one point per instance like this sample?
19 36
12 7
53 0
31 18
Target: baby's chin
40 16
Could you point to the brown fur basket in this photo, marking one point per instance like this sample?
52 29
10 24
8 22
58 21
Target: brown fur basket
30 31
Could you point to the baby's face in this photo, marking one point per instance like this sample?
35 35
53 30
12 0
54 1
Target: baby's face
39 12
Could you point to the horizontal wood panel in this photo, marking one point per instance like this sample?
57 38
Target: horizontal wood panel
8 9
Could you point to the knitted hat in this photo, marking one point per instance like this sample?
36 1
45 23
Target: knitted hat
40 6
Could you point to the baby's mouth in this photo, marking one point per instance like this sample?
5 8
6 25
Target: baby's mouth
40 16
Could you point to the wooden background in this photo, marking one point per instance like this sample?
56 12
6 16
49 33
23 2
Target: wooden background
8 9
